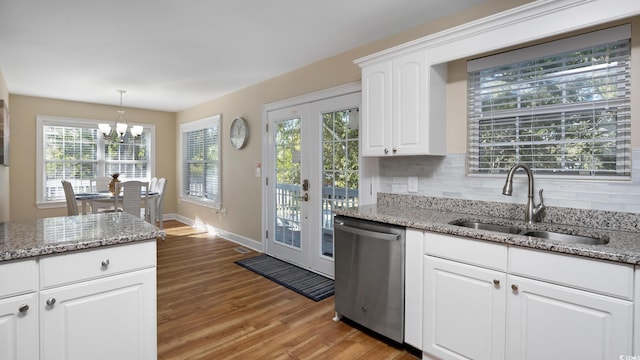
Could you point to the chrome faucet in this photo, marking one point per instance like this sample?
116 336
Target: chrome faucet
532 209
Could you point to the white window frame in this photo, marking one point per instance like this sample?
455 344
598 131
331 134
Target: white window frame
623 149
47 120
208 122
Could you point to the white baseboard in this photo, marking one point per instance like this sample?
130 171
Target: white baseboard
238 239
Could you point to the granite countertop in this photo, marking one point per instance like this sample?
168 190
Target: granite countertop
623 246
29 238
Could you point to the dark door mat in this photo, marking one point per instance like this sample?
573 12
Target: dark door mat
314 286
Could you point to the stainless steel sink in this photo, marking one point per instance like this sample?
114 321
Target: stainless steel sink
490 227
555 236
541 234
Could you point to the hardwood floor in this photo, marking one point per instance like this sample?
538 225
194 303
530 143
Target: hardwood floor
211 308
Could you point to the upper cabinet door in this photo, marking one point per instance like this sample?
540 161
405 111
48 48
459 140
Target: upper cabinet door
410 100
403 107
376 109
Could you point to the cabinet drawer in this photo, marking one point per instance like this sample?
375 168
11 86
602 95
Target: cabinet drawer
474 252
90 264
17 277
587 274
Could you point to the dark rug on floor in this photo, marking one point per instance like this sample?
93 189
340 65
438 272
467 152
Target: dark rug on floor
314 286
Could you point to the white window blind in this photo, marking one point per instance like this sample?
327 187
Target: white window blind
201 161
75 151
562 107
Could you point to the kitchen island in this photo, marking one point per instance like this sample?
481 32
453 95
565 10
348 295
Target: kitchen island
78 287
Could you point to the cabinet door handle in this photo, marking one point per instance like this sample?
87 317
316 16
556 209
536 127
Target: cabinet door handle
386 151
496 282
395 150
514 287
51 301
23 308
105 263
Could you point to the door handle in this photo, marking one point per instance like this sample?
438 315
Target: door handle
304 197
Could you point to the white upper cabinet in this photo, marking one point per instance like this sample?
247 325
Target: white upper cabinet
404 87
403 107
376 109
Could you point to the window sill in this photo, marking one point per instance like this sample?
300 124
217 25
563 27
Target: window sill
51 204
205 203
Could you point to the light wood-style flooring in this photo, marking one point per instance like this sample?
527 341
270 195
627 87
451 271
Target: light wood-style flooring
211 308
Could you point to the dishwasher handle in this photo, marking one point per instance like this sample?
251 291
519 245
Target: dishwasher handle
367 233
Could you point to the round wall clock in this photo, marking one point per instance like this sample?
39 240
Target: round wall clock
239 133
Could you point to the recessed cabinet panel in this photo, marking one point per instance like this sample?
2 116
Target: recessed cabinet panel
464 311
547 321
19 327
104 319
376 109
18 277
410 84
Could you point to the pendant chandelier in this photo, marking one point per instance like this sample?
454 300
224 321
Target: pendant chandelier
119 129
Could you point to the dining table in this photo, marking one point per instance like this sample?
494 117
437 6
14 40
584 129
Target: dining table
95 200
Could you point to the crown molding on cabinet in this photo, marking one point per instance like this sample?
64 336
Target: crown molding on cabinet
532 21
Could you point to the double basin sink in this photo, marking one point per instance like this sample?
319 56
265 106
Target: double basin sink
541 234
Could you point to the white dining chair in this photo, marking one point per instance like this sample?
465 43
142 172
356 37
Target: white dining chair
153 184
132 196
70 196
160 186
99 183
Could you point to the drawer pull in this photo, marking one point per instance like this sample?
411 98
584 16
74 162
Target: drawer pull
23 308
51 301
105 263
496 282
514 287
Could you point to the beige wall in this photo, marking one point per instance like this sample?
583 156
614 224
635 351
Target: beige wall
24 110
241 190
4 170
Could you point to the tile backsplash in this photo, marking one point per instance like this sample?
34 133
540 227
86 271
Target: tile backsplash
445 176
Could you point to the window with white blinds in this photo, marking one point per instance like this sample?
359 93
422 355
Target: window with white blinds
201 170
74 150
561 107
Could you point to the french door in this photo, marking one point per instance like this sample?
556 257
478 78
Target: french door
312 168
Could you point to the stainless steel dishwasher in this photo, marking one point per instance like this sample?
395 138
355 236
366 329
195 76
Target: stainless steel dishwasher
369 275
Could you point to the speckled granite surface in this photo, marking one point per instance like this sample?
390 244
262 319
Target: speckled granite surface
28 238
436 214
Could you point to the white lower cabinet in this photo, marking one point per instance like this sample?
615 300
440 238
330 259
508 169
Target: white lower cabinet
636 331
19 310
19 327
413 288
104 319
544 306
547 321
97 304
464 310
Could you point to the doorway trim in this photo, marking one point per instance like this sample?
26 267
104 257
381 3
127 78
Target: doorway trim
297 100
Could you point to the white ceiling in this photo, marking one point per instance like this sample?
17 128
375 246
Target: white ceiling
173 54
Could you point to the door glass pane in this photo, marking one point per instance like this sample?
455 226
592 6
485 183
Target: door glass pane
287 199
339 169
